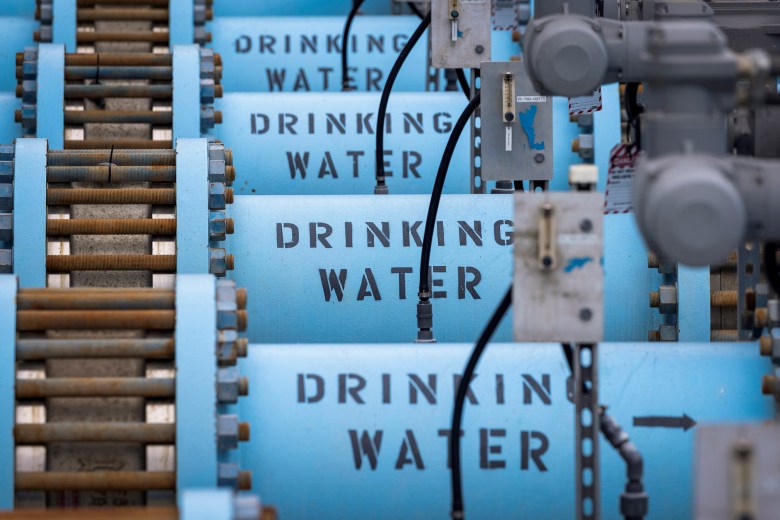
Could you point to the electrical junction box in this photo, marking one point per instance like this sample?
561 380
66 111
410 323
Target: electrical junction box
460 33
516 123
559 278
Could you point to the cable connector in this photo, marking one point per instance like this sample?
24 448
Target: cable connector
381 189
425 319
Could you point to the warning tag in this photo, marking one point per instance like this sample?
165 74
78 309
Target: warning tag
620 179
585 104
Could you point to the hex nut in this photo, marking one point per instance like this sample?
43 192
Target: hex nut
29 91
29 116
6 227
667 299
6 197
247 507
217 261
217 226
207 118
667 333
228 382
227 475
207 91
6 152
6 172
217 196
227 432
6 261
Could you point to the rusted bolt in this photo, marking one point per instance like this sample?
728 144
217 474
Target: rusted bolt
765 345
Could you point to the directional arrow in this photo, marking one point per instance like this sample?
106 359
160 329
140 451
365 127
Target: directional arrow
684 422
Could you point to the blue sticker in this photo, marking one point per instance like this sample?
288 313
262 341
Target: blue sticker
527 121
577 263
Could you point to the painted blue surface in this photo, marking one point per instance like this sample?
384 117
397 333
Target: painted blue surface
17 8
17 34
186 91
9 103
206 504
301 454
181 26
289 305
693 319
64 24
259 128
196 394
192 203
7 395
30 212
50 114
299 7
318 70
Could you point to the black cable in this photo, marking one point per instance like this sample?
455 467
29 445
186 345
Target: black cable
633 111
415 10
345 45
381 187
460 399
424 310
464 84
770 265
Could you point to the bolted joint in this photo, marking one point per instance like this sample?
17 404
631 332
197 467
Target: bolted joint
219 263
28 117
6 172
247 507
6 227
200 14
6 197
207 118
217 172
6 152
229 475
6 261
217 199
207 91
667 299
46 12
227 432
228 382
217 226
201 35
44 34
227 349
29 91
770 385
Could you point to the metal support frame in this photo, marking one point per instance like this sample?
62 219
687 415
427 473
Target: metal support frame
196 394
693 318
50 109
207 504
64 24
30 246
748 278
587 430
182 26
186 90
476 140
8 289
192 206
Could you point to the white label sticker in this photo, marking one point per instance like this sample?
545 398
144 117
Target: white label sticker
508 143
620 179
532 99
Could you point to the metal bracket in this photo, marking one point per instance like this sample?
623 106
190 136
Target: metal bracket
192 206
478 185
182 26
186 91
30 242
63 25
50 106
587 428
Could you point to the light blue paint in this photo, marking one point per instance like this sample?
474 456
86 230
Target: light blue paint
300 7
17 34
206 504
186 91
289 305
182 26
196 395
527 122
17 8
50 115
607 130
693 318
8 289
9 103
250 71
341 163
309 444
64 23
30 212
192 203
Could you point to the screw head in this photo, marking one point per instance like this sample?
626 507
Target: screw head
509 116
479 49
539 158
586 226
586 314
454 13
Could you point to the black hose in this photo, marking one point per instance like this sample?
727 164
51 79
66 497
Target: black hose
381 187
633 111
424 315
345 86
415 10
770 265
464 84
460 399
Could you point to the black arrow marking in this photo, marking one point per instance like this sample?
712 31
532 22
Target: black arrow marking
684 422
